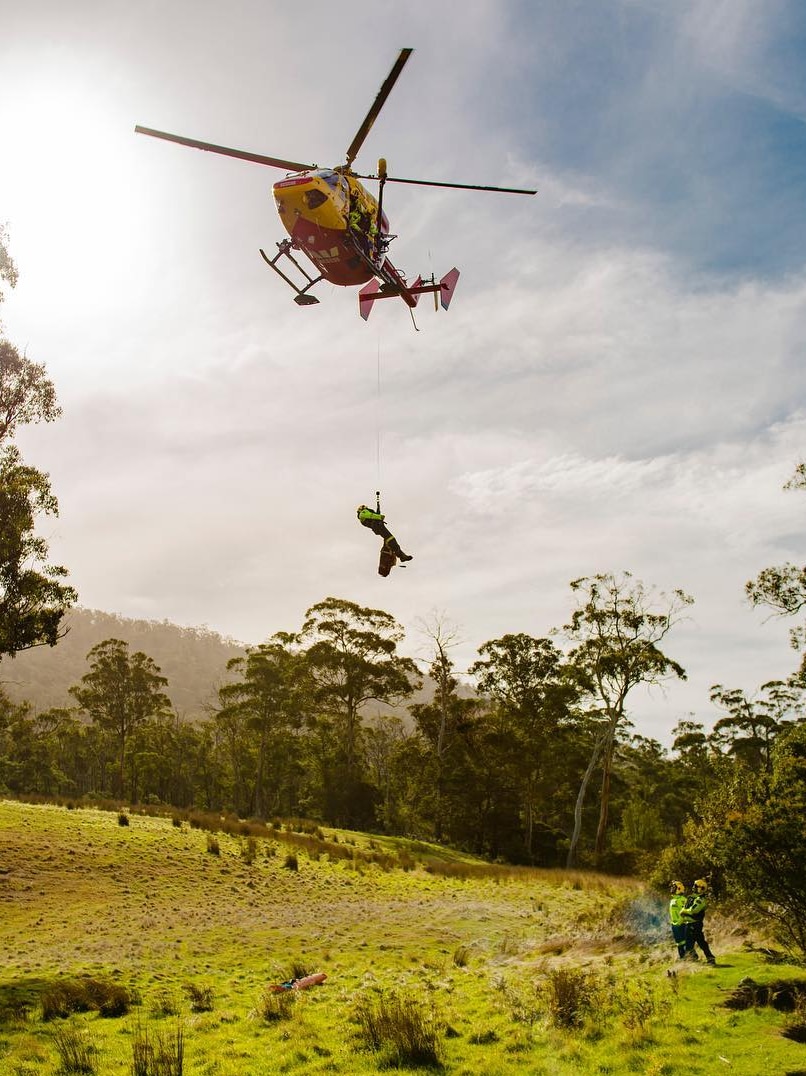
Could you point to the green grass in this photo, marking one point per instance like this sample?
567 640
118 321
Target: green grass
146 907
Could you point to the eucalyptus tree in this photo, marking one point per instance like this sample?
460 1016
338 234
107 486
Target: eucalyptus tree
616 628
751 833
26 392
782 588
33 595
269 701
384 739
751 724
352 656
8 270
440 721
119 693
532 694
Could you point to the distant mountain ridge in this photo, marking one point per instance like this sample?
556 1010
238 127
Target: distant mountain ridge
194 660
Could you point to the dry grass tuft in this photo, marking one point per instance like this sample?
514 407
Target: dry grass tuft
402 1025
200 997
158 1054
77 1053
276 1005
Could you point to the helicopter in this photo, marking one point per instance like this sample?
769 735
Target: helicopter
337 223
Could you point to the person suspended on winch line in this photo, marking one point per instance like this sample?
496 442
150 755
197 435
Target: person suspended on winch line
375 522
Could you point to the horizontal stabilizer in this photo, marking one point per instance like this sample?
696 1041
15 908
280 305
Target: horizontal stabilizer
366 297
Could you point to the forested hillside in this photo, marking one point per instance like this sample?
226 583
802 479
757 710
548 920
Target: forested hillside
193 660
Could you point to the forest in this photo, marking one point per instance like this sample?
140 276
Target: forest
540 765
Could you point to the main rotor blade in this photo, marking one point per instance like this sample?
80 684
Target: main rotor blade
378 104
456 186
257 158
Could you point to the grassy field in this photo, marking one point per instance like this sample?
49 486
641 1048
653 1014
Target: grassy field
523 971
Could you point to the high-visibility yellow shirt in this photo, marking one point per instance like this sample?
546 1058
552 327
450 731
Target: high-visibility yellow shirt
676 905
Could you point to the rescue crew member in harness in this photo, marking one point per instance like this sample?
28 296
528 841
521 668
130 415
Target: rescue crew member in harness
375 522
693 915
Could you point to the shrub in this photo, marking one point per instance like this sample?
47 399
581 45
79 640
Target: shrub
276 1005
786 995
63 999
796 1029
249 850
201 997
570 995
461 956
76 1052
15 1011
402 1025
638 1004
524 1003
165 1003
110 999
85 995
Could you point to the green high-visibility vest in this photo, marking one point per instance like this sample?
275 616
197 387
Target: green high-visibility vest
676 905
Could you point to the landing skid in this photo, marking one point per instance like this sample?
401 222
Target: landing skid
302 297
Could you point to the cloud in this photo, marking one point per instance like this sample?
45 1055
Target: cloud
618 384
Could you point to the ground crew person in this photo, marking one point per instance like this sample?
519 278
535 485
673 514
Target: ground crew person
676 905
375 522
693 915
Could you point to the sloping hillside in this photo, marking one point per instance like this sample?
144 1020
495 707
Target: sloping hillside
504 971
193 659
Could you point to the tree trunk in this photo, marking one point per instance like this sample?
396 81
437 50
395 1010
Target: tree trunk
572 848
601 832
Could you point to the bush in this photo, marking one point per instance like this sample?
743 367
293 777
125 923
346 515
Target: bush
165 1004
63 999
249 850
402 1025
201 997
85 995
276 1005
570 995
110 999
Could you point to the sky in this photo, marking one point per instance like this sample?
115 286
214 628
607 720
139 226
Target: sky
618 385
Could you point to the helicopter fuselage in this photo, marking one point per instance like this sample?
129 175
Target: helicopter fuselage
316 209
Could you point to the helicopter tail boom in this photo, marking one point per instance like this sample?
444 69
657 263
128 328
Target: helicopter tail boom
442 289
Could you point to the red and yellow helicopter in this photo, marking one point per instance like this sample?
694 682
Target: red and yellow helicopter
334 220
